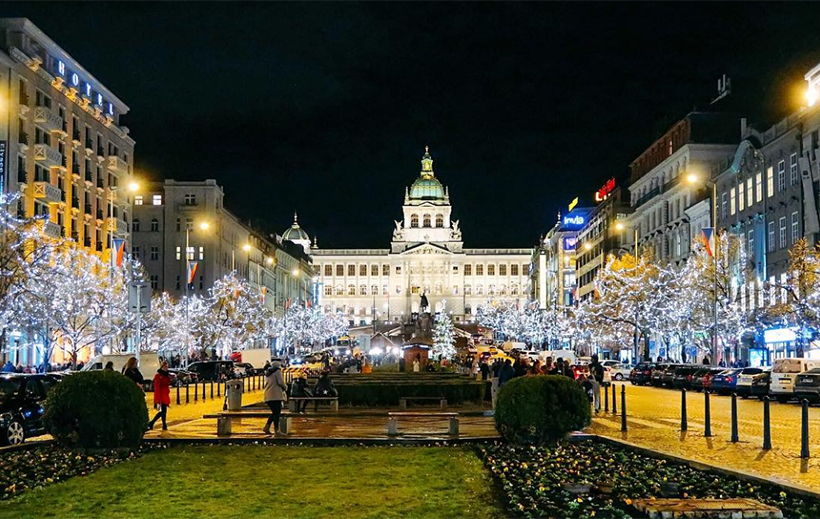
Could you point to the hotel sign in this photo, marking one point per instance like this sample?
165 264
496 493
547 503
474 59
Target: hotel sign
606 190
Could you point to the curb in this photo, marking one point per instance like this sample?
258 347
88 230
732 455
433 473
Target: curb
26 446
327 442
699 465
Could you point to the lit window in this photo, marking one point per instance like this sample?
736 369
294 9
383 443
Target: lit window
749 192
732 201
157 200
179 253
783 290
138 200
514 270
782 233
202 253
769 182
190 253
795 228
758 187
740 198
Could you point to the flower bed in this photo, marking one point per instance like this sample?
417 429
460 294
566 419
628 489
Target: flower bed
22 470
552 482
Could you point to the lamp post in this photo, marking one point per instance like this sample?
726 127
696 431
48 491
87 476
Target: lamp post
694 179
203 226
133 187
635 348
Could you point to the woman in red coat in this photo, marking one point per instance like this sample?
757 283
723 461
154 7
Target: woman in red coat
162 395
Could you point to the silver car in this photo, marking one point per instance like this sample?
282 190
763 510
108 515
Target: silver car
617 370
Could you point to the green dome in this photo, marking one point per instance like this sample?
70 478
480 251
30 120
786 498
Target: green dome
294 232
427 188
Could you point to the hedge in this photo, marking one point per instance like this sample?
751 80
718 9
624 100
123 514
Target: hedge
541 410
375 393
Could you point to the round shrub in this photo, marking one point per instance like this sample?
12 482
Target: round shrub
96 409
541 410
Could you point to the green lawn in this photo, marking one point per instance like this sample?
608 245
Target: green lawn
274 482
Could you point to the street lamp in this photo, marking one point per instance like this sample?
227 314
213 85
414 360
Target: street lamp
620 227
204 227
694 179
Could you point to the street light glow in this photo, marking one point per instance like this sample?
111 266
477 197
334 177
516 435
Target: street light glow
811 95
295 272
619 226
133 186
692 178
246 247
588 246
269 260
204 226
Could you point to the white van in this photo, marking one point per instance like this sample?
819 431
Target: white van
508 346
568 355
784 375
149 364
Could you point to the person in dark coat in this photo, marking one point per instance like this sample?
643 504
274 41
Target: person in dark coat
300 389
324 386
485 370
506 373
162 395
109 366
596 378
131 371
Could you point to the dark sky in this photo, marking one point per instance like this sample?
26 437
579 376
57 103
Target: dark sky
326 107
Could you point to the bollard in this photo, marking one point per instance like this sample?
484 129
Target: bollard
683 421
767 426
196 392
606 397
623 408
212 389
187 394
707 415
177 394
218 388
614 399
734 418
203 390
804 436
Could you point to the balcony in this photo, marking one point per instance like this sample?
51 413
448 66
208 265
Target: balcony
48 119
49 193
117 165
50 229
48 155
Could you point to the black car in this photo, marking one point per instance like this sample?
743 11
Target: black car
668 374
21 406
212 370
657 373
641 374
683 376
807 385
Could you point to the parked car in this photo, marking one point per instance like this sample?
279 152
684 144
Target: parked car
21 405
657 373
746 385
215 370
245 369
702 379
683 375
641 374
784 374
619 371
668 375
725 382
181 377
808 385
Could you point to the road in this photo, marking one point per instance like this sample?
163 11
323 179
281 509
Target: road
653 416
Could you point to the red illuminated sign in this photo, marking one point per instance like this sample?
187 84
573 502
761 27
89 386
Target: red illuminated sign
605 191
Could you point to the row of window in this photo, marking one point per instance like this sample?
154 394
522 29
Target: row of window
385 269
155 200
438 290
426 220
754 295
745 194
782 226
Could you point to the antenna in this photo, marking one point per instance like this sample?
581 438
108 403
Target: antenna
724 87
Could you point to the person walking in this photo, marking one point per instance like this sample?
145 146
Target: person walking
275 394
131 371
507 373
596 378
485 370
162 395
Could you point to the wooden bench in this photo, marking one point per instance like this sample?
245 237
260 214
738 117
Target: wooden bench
224 420
333 400
441 400
393 421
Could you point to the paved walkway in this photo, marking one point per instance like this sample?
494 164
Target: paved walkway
194 410
653 417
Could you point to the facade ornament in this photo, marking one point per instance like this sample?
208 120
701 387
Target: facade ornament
398 232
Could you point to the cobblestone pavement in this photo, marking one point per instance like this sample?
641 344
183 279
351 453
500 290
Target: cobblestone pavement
194 410
653 416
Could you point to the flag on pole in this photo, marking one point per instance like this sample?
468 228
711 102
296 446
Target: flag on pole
119 252
192 266
709 240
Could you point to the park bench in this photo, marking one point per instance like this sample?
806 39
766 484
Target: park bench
393 421
332 400
442 401
225 418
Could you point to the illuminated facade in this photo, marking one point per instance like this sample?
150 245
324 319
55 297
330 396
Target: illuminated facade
61 143
426 256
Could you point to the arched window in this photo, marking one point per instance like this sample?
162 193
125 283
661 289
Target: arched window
426 221
362 290
374 289
503 290
339 290
491 290
439 220
154 225
468 290
479 289
514 290
328 290
135 225
351 290
414 220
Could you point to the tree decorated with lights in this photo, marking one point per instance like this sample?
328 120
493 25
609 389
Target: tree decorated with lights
444 337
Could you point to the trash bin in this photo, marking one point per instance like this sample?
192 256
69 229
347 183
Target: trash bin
234 389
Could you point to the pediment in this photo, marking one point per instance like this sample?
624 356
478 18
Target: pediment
426 249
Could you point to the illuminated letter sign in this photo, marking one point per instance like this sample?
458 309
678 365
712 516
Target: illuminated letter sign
574 220
607 189
569 242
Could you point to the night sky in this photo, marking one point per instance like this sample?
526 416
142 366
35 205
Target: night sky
326 107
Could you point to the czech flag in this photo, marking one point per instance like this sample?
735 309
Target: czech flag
192 266
119 252
709 240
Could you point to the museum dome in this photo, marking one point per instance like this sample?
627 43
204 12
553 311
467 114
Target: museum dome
295 233
427 187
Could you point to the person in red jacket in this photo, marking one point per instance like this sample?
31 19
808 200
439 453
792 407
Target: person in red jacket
162 395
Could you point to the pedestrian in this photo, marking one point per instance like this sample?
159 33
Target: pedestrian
485 370
706 360
596 378
162 395
275 394
506 373
109 366
131 371
299 389
416 365
8 367
324 386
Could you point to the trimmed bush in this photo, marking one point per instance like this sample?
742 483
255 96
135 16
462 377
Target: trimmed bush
96 409
541 410
388 392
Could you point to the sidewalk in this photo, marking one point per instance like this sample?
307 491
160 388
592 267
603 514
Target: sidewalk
194 410
653 417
